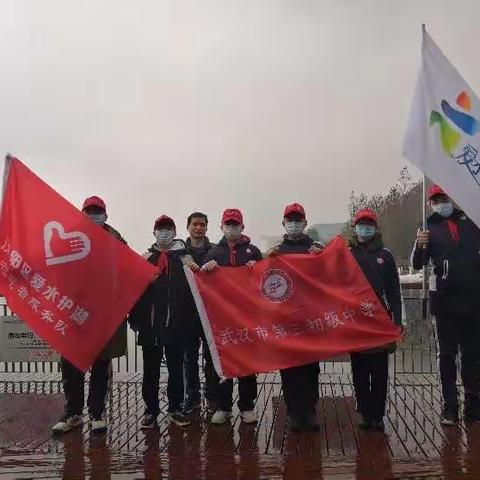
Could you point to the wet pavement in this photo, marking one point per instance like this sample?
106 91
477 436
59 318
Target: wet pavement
415 445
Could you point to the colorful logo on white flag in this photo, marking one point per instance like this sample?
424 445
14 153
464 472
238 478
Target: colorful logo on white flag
442 136
451 138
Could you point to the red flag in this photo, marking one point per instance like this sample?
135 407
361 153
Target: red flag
289 310
72 282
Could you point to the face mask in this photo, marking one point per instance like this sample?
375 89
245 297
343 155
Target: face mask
294 228
164 237
98 218
232 232
365 232
443 209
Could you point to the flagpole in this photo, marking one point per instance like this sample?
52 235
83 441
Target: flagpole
6 171
424 268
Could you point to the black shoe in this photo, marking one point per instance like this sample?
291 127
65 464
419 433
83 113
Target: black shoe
378 425
191 405
211 406
472 411
365 424
311 423
178 418
148 422
449 416
297 423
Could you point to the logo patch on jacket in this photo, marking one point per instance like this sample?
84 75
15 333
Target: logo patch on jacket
380 260
248 250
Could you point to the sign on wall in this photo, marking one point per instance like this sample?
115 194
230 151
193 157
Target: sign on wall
19 344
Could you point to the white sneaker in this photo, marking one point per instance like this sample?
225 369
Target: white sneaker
66 423
249 416
220 417
98 425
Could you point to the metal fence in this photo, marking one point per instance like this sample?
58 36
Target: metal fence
417 353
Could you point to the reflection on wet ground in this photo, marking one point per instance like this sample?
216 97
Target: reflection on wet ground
415 444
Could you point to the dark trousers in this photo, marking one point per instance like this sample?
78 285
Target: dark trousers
300 388
73 381
223 393
370 380
191 369
152 359
454 333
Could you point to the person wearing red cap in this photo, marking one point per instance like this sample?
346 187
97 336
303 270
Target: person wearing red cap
96 209
370 368
159 318
452 244
233 250
73 379
299 384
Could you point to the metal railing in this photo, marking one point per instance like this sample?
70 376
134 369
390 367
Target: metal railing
417 354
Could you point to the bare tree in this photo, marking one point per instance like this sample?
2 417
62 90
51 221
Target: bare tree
399 212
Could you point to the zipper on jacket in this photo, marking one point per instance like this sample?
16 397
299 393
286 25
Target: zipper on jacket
167 322
152 318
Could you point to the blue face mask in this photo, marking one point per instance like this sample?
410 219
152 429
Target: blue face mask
444 209
365 232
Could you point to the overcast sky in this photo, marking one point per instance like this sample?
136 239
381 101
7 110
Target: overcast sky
170 107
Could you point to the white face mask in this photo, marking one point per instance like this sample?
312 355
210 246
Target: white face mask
98 218
444 209
294 229
232 232
164 236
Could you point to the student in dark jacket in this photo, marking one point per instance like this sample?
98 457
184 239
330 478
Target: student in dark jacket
299 384
233 250
198 247
370 368
73 379
452 244
159 318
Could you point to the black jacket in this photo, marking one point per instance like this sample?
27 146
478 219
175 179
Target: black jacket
117 345
378 265
114 232
456 264
198 254
300 245
193 323
160 313
242 252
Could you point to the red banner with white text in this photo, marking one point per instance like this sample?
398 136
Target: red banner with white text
289 310
67 278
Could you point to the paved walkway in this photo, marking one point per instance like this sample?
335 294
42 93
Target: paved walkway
415 445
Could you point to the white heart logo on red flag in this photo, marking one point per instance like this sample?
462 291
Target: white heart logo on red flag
76 245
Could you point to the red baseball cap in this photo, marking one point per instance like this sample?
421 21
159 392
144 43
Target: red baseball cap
435 190
294 208
232 214
164 220
365 213
94 202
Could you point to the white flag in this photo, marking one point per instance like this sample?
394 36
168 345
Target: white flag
442 137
